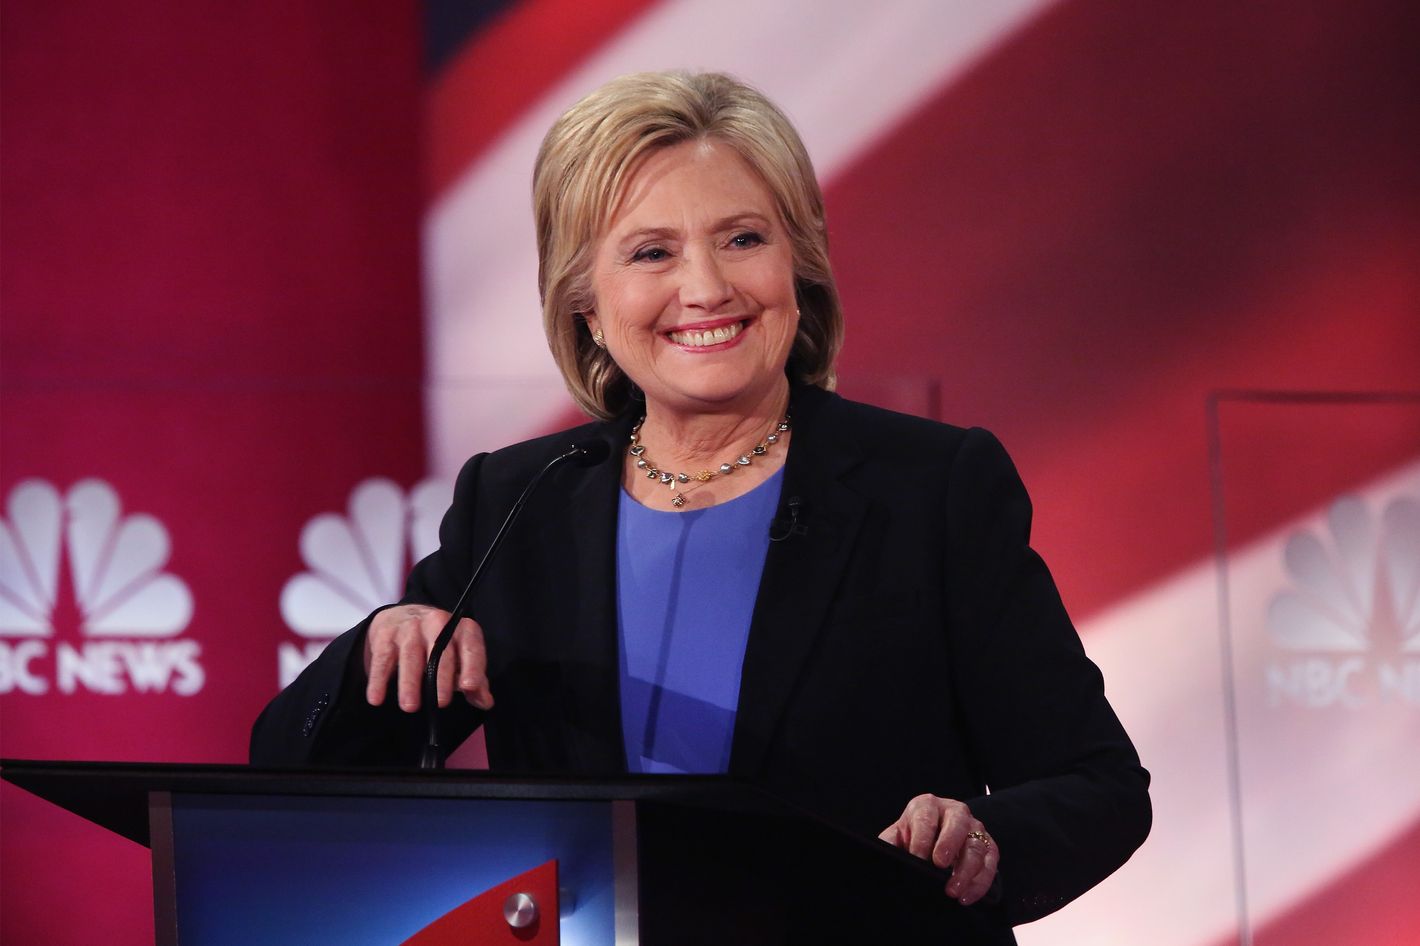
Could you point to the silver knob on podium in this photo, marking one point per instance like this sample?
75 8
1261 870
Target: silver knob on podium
520 910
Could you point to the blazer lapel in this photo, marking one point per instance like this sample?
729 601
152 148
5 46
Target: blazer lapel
580 539
801 574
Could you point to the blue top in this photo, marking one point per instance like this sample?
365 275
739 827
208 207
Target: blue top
686 586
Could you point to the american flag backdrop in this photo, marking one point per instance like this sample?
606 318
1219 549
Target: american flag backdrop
269 277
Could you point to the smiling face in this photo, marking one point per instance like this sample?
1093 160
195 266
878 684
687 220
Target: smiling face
694 283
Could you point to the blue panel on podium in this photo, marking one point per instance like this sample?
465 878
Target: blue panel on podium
376 870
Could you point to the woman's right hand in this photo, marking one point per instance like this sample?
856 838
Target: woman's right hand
398 644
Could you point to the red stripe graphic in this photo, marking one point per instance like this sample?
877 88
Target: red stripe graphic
1121 211
505 68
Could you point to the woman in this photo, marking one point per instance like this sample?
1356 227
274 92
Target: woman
835 601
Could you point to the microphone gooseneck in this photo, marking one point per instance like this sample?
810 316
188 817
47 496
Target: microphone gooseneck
585 453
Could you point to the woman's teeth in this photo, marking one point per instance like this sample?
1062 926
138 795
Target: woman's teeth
713 336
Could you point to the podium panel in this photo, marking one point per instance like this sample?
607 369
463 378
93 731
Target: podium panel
371 870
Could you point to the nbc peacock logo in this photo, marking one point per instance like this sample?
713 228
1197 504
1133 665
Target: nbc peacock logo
356 563
85 604
1350 622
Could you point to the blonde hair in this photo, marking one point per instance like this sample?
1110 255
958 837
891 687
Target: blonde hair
587 159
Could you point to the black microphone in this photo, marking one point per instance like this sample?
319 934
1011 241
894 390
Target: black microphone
585 453
588 453
778 531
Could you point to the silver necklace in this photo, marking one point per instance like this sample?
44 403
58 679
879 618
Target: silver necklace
676 480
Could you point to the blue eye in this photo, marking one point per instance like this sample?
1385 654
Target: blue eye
650 254
747 239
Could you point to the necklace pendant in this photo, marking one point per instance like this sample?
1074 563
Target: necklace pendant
678 500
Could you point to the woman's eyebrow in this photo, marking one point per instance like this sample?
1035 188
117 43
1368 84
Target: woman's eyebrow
742 216
643 233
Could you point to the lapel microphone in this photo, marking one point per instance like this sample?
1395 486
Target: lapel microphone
779 530
585 453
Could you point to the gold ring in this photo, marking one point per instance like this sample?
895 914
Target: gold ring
982 837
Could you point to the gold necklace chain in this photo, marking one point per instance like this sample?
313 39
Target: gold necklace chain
676 480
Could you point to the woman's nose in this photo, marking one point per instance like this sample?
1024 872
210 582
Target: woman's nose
705 284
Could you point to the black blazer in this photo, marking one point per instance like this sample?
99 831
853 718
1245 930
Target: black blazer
905 639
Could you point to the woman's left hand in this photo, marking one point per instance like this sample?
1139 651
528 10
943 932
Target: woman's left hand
945 832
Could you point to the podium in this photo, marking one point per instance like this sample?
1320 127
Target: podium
243 855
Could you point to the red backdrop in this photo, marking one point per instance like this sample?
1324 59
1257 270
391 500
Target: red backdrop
210 303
